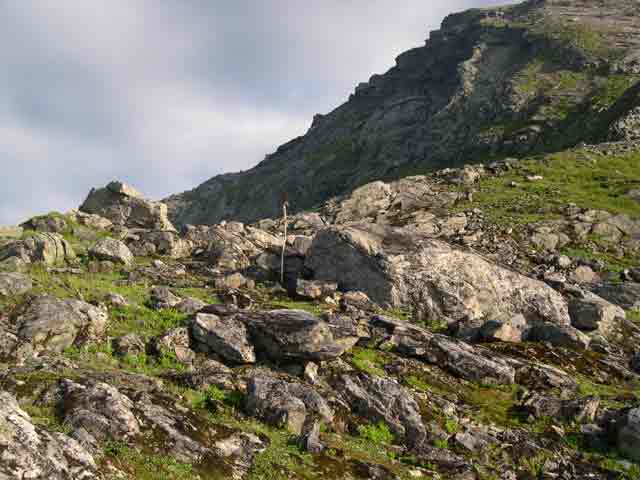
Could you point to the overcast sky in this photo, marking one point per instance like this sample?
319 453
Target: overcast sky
164 94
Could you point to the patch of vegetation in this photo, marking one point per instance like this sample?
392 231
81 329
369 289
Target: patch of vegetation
47 418
589 39
377 433
634 316
451 426
212 397
611 262
567 177
369 361
204 294
144 321
611 90
493 403
146 466
612 395
441 443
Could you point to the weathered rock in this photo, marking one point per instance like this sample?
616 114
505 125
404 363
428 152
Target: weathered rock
356 300
225 336
625 295
231 281
584 274
116 300
162 242
123 205
30 452
284 404
112 250
48 248
310 437
130 344
509 330
294 335
14 284
629 435
52 223
451 354
163 297
381 399
98 412
396 267
176 341
594 313
190 305
51 324
313 289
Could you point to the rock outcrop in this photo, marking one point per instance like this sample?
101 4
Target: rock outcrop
396 267
123 205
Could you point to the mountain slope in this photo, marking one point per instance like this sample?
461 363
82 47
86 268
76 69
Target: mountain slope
539 76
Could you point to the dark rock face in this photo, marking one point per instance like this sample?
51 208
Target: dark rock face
430 111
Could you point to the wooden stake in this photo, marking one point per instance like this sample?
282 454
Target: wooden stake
284 242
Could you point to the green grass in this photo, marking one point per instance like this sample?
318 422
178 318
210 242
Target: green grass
634 316
47 418
287 304
377 433
612 262
144 321
568 177
146 466
613 88
369 361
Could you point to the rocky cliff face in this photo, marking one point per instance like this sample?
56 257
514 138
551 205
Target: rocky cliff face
538 76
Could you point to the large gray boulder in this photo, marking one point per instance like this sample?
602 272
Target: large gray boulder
50 324
112 250
458 357
629 435
625 295
48 248
295 335
590 313
225 336
29 451
14 284
285 404
397 268
381 399
123 205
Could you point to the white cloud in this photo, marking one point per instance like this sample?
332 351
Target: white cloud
166 94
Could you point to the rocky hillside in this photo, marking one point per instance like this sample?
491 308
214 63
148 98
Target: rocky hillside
478 322
536 77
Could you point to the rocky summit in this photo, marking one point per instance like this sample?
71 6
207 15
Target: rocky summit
457 295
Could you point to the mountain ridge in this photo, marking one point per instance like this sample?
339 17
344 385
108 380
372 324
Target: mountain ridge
494 82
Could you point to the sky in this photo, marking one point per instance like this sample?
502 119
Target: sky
164 94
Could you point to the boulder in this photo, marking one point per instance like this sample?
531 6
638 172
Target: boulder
48 248
130 344
52 223
284 404
629 435
190 305
124 206
625 295
112 250
294 335
162 242
163 297
50 324
176 341
396 267
591 312
14 284
379 399
225 336
456 356
313 289
30 451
